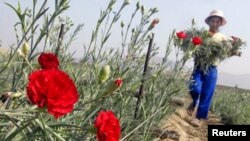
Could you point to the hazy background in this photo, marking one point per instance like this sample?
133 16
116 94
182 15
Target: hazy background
173 14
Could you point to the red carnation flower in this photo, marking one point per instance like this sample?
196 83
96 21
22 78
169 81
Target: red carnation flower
52 89
108 126
197 40
181 35
48 61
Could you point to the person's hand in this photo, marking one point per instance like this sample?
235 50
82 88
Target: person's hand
239 54
236 54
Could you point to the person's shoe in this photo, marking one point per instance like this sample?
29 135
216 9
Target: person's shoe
190 109
196 122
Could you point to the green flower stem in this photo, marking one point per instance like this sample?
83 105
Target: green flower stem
48 129
94 100
140 125
128 28
27 61
114 20
96 31
42 125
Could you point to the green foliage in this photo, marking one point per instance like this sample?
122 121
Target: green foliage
232 106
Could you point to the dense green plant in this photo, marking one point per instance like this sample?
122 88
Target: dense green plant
231 113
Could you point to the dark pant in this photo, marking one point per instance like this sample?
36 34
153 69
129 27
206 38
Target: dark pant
202 89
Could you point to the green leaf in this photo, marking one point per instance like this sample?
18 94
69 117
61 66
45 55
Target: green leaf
135 86
92 130
41 13
19 7
17 11
12 135
106 38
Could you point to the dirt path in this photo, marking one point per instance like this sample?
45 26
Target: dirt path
177 126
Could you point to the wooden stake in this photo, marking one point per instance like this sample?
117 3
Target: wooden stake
140 95
60 39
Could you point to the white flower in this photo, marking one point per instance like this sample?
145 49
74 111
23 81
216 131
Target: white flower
218 37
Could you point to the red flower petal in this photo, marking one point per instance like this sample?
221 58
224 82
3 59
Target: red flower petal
197 40
108 126
53 89
48 61
181 35
35 89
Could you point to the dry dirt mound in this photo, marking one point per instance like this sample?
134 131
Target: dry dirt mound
177 127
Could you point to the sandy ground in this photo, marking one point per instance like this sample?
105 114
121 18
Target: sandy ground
177 127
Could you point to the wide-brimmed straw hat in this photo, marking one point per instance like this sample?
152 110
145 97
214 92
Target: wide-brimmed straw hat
217 13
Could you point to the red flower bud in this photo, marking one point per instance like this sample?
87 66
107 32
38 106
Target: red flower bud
155 22
113 86
118 82
197 40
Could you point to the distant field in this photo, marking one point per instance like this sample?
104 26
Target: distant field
231 104
233 89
